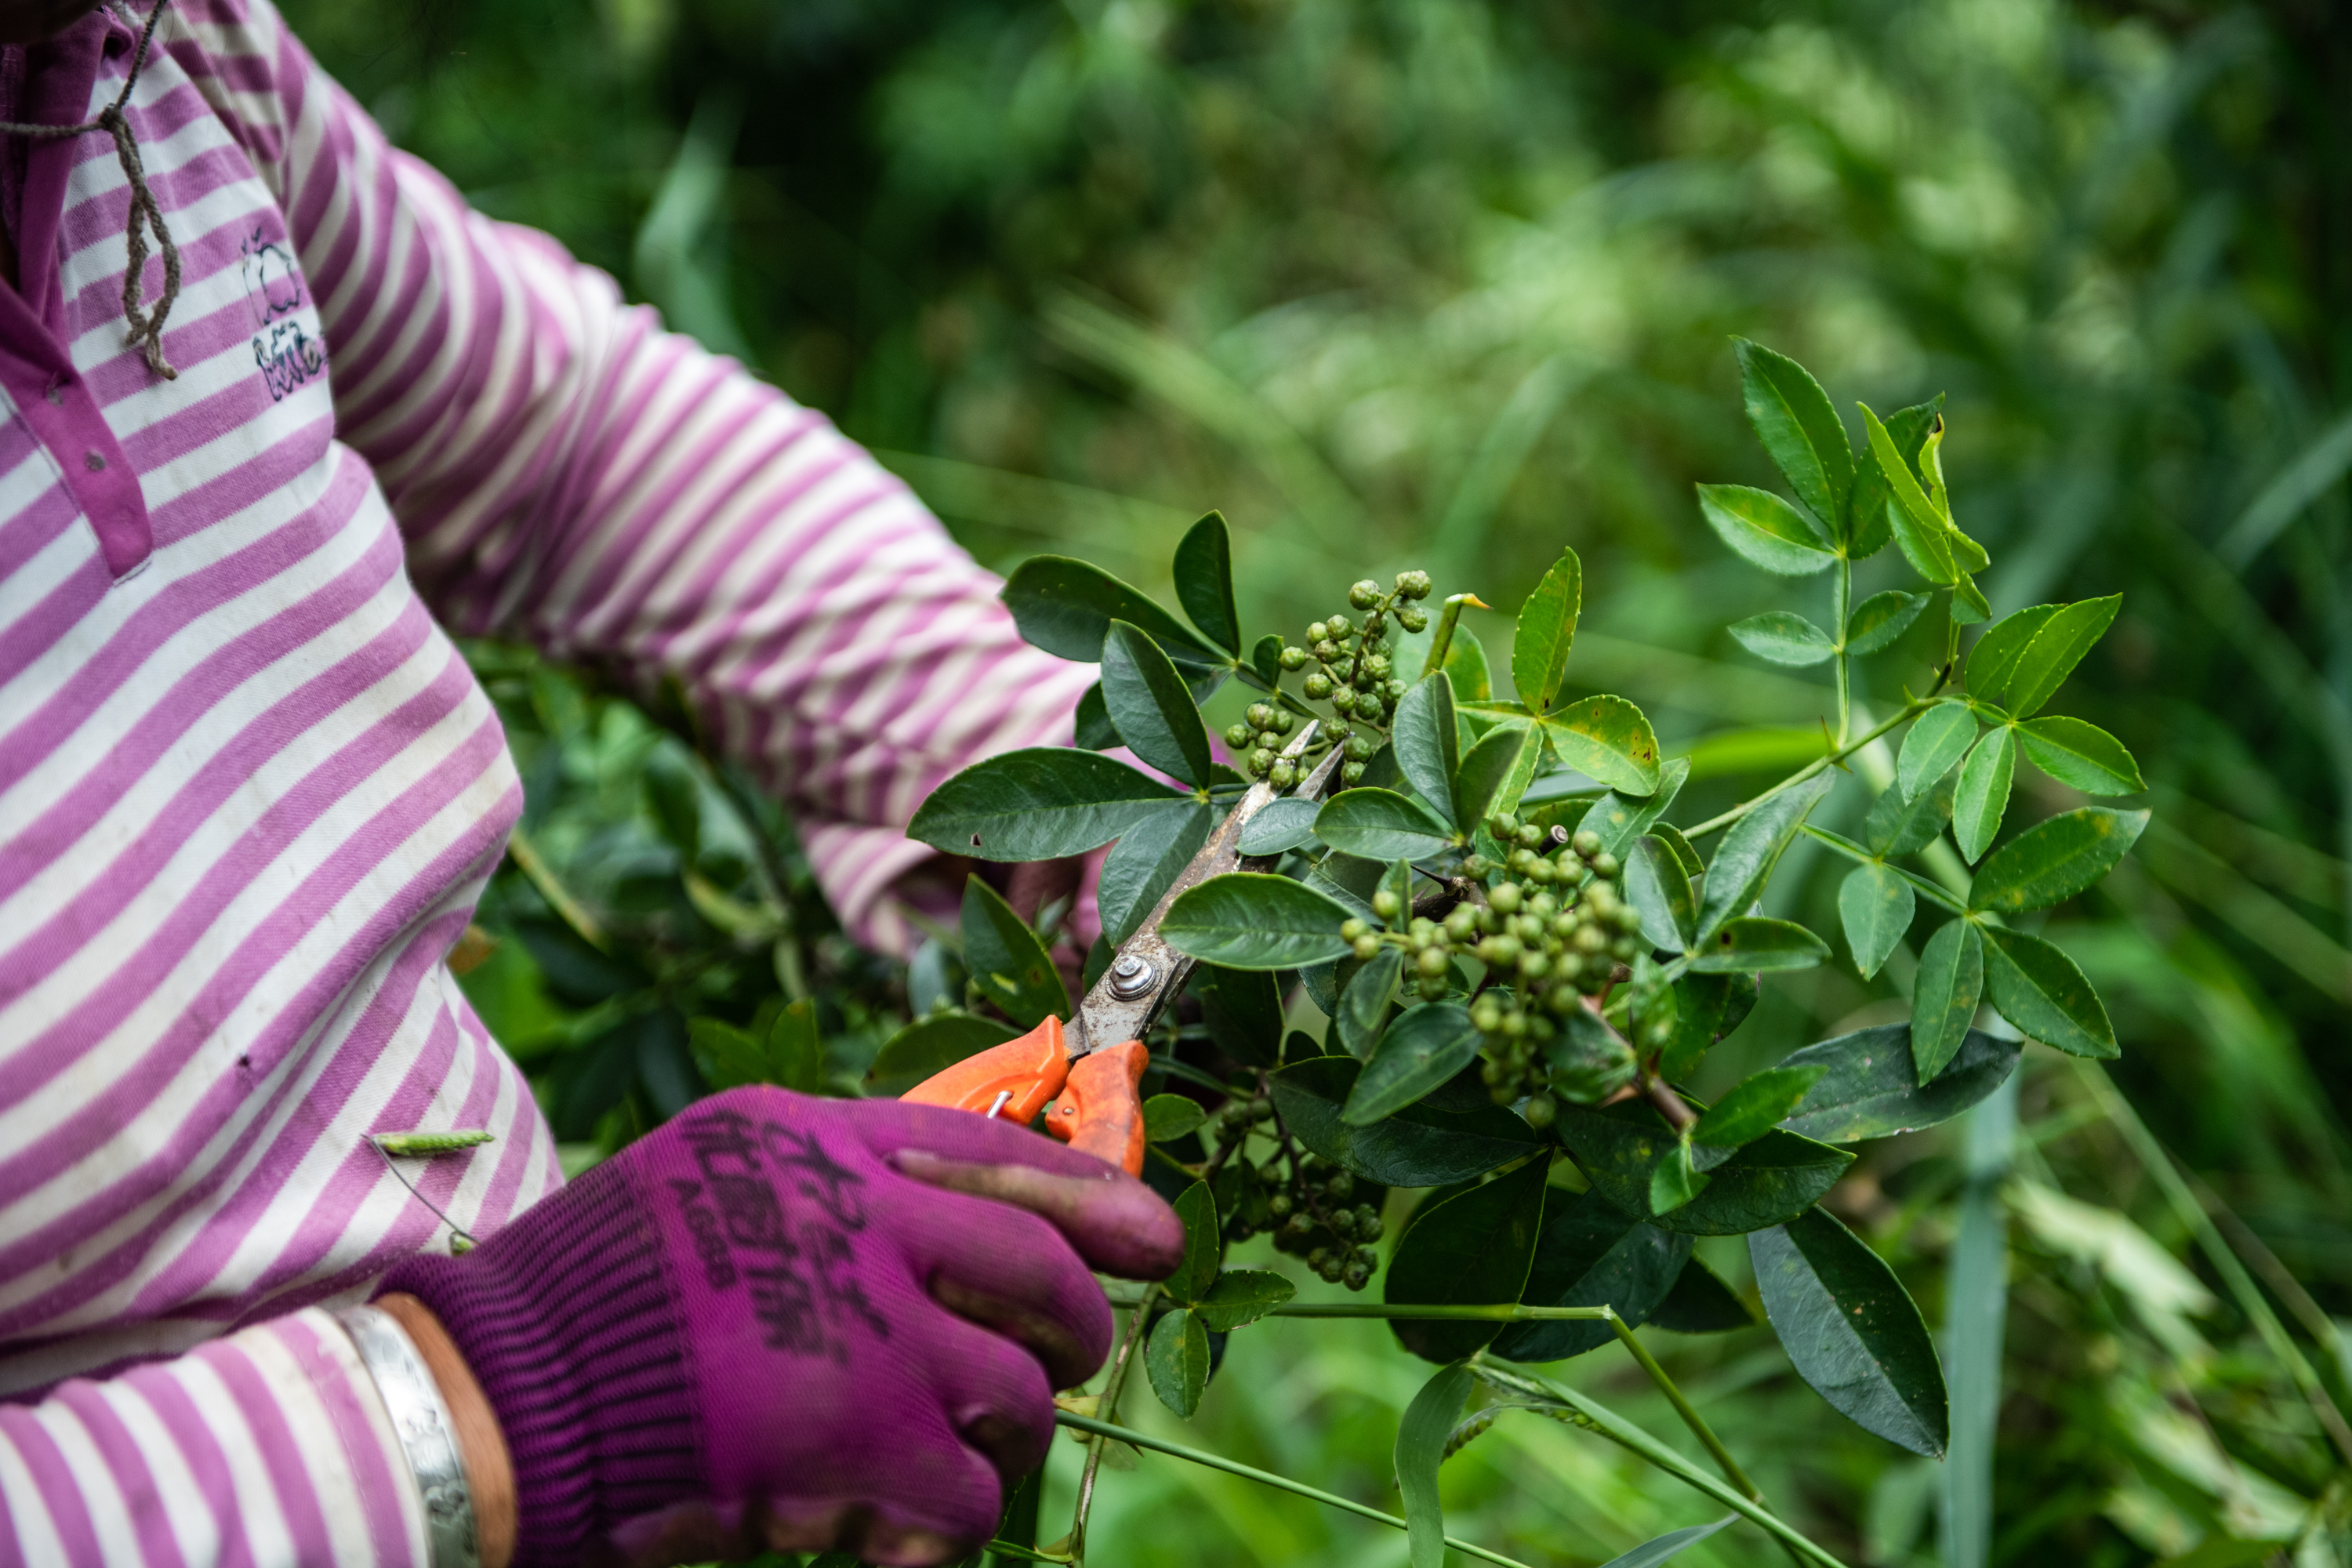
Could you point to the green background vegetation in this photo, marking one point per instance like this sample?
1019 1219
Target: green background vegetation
1425 282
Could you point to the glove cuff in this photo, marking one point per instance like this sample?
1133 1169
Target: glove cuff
567 1320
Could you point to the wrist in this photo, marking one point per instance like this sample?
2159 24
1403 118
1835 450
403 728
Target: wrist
481 1445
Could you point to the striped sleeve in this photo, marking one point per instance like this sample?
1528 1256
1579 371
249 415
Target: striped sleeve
269 1448
568 472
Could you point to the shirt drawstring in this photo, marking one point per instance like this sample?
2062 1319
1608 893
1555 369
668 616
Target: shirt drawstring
146 326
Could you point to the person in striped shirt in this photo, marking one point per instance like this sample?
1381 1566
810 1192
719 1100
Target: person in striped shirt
250 794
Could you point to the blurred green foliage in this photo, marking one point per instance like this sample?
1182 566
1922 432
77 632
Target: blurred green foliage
1436 283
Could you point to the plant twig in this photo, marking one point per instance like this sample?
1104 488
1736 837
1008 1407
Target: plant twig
2158 1163
1112 1387
1104 1429
1683 1408
1910 709
551 888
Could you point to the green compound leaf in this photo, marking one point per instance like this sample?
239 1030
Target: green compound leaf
2038 988
1067 606
1897 826
1877 906
1473 1247
1251 919
2080 756
1546 632
930 1046
1793 418
1266 657
1487 770
1944 996
1870 1088
1609 740
1177 1358
1923 533
1667 833
1006 960
1423 1146
2053 860
1204 582
2056 648
1167 1117
1878 620
1092 725
1042 803
1764 530
675 795
1982 797
1364 1002
1243 1296
1907 428
1592 1254
1197 1207
1465 664
1288 823
1427 741
1658 886
1380 824
1147 861
1701 1303
1784 638
1706 1007
1673 1181
1768 1181
1753 944
1588 1061
1751 847
1420 1448
1852 1330
1423 1048
1756 1104
1621 817
1151 706
1993 661
1939 739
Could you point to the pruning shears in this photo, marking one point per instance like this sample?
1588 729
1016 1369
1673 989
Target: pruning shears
1085 1074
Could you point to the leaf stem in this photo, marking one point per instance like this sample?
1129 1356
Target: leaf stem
1109 1404
1440 642
1911 710
1841 604
551 888
1683 1408
2158 1163
1934 893
1495 1312
1102 1429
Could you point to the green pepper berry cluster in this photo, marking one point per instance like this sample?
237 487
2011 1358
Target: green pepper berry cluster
1349 668
1554 929
1312 1208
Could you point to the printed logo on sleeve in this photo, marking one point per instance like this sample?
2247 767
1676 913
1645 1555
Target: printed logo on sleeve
287 355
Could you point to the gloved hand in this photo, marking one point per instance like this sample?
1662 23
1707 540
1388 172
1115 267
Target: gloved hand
787 1323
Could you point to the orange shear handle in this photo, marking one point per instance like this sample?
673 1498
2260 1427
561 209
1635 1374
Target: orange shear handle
1098 1113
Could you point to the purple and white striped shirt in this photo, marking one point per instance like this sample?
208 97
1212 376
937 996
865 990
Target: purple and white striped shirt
248 790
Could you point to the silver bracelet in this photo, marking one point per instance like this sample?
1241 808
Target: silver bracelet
427 1435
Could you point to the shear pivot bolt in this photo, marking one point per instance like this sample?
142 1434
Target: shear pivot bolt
1131 977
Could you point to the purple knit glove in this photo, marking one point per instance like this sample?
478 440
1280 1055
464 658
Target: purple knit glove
767 1325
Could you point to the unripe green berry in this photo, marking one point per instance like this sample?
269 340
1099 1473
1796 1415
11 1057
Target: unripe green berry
1624 949
1365 948
1362 679
1387 905
1394 692
1534 964
1433 962
1325 650
1282 774
1292 658
1518 860
1279 1205
1586 843
1413 584
1476 865
1356 1276
1341 1186
1486 1016
1541 1111
1432 989
1461 923
1503 899
1350 772
1490 1072
1261 760
1412 620
1503 824
1499 950
1284 721
1240 736
1319 686
1360 747
1564 925
1317 632
1258 716
1364 594
1591 939
1340 625
1378 666
1531 834
1343 698
1350 930
1629 919
1604 864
